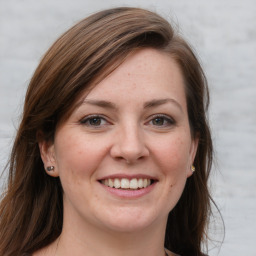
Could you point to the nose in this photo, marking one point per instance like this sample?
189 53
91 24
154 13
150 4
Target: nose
129 145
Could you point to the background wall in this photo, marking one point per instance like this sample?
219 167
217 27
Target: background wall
224 35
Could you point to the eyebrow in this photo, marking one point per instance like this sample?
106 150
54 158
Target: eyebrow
101 103
159 102
147 104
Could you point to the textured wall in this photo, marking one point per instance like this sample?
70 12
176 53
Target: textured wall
224 36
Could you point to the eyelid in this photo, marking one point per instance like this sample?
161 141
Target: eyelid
88 117
168 118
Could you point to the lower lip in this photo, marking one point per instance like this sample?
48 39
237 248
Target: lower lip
136 193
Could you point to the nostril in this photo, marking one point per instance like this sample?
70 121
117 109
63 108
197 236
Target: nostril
129 148
129 160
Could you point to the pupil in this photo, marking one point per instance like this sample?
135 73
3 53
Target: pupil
95 121
158 121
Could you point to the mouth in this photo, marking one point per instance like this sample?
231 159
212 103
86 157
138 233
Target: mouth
127 184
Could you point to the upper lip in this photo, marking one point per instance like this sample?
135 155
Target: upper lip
128 176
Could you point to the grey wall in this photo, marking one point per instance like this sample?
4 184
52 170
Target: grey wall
224 35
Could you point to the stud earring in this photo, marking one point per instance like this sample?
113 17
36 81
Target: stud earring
193 168
50 168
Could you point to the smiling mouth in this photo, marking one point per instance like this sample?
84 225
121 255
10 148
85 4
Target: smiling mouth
127 184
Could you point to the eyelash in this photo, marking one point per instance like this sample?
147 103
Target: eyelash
86 121
168 121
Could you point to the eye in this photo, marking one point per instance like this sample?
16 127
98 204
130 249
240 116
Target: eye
94 121
158 121
161 121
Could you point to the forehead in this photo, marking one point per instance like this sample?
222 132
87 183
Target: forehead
143 73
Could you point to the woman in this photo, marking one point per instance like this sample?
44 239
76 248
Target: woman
113 152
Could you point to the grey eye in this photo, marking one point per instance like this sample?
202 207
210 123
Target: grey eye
93 121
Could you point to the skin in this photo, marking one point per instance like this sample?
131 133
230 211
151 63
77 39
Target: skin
134 122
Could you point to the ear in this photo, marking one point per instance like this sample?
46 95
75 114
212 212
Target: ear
192 154
48 157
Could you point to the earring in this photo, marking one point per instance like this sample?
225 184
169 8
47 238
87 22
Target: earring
50 168
193 168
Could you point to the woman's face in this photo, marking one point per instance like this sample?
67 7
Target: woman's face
124 154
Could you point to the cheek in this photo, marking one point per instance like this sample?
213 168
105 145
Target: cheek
174 154
76 155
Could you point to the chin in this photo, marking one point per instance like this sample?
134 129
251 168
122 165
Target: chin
128 220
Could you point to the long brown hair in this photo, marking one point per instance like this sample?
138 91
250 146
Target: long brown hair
31 211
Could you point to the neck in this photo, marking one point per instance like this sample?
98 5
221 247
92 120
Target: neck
91 241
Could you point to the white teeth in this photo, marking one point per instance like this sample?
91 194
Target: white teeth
145 183
117 183
125 183
140 183
133 184
110 183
